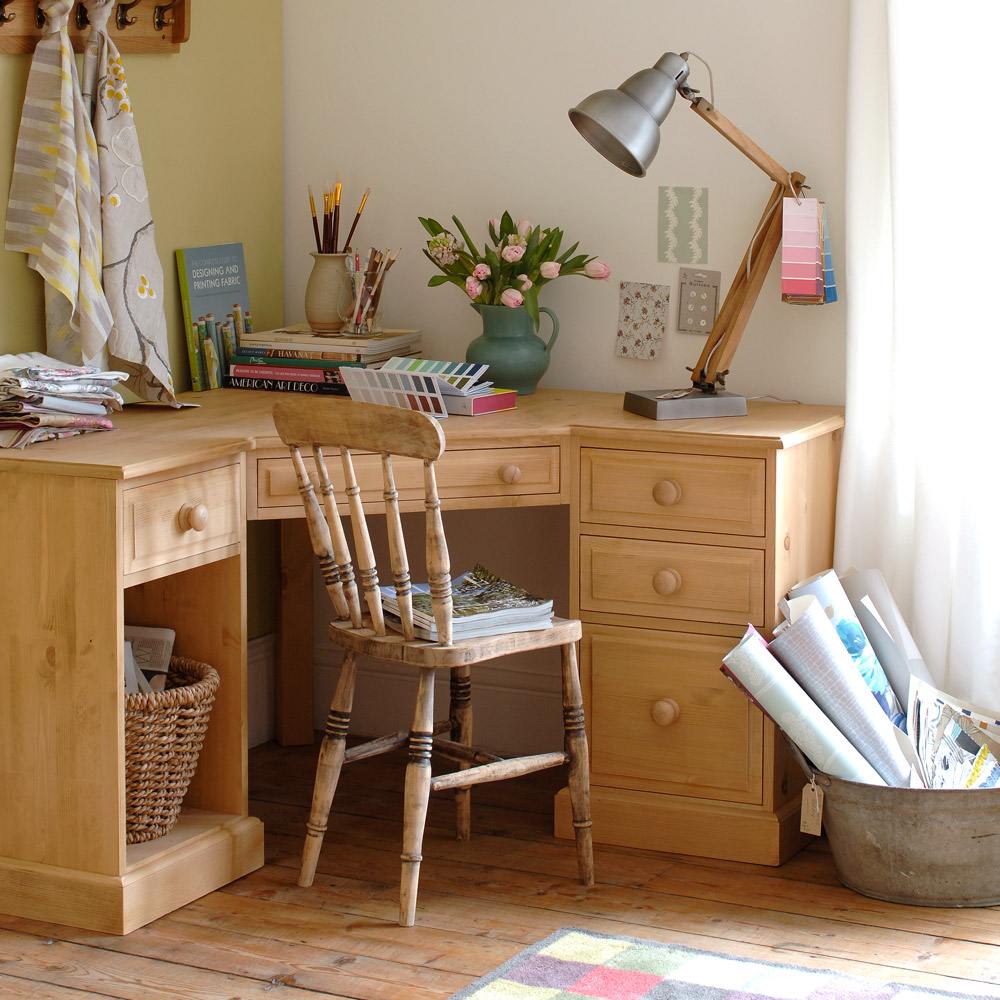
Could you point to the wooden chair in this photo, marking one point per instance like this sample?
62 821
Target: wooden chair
314 425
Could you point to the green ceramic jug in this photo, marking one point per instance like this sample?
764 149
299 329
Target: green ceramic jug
517 356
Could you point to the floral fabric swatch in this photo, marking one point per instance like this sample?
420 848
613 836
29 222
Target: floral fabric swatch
642 319
682 225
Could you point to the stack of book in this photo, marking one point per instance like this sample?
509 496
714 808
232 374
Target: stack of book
482 604
296 359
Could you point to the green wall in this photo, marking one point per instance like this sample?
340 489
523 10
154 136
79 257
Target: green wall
209 120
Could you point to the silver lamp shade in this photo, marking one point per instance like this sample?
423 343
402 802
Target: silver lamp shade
623 125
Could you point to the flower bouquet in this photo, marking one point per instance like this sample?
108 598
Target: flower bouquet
516 262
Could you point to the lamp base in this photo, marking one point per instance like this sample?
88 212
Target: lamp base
690 403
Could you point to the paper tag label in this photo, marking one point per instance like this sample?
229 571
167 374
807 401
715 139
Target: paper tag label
812 809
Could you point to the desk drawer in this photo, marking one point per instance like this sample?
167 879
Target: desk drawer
666 490
711 747
484 472
708 583
179 518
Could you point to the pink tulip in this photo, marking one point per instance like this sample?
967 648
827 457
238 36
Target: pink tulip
596 269
525 282
550 269
524 228
494 224
512 297
473 286
512 254
481 271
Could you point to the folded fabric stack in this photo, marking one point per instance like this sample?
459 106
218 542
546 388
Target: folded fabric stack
42 398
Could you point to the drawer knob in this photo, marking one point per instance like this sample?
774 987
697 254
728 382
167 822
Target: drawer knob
510 474
665 712
667 492
193 516
666 582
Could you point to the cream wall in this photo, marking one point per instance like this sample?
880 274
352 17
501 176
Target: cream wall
446 108
209 122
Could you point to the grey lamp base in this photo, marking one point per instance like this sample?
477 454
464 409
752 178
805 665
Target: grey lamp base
691 404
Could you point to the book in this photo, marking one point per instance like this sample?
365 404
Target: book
393 341
331 373
213 285
482 604
149 649
242 356
285 385
326 357
491 402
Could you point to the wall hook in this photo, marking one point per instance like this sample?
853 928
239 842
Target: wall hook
4 16
82 20
159 15
122 19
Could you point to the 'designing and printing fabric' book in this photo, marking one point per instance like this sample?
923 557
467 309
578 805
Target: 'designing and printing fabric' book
482 604
213 284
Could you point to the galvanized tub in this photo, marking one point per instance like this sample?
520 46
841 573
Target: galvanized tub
923 846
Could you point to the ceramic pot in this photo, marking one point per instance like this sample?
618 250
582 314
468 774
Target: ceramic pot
328 292
517 356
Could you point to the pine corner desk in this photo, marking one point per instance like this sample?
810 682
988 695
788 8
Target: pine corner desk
681 533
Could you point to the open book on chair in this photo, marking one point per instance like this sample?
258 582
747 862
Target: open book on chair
482 604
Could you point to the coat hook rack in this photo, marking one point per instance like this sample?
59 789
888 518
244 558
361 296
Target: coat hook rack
121 16
159 26
160 20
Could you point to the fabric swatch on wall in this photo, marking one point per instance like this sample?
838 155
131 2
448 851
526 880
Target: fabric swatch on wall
682 225
642 319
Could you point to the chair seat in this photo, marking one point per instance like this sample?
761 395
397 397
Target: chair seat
423 653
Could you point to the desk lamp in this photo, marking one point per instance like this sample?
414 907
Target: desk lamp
624 126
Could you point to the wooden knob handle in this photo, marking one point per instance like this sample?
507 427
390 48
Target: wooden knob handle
667 492
193 516
665 712
510 474
666 582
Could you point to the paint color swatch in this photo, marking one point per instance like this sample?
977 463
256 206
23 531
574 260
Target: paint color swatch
802 251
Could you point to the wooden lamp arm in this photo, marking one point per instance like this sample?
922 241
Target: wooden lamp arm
713 364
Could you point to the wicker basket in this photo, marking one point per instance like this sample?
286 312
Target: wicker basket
164 732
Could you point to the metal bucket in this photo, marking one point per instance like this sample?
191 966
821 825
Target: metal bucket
929 847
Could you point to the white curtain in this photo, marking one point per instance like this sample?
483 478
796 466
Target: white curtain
919 490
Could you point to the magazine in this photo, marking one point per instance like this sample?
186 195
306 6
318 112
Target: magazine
482 604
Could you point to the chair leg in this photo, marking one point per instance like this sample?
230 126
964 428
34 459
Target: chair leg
579 763
416 795
331 760
460 717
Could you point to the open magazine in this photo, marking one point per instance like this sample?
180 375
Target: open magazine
482 604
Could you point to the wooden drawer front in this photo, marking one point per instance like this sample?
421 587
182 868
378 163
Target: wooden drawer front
713 746
154 532
684 492
671 580
486 472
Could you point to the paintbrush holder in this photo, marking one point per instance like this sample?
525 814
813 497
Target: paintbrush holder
329 292
371 320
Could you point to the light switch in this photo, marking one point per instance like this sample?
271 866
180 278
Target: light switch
698 301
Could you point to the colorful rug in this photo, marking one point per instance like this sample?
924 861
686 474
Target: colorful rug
574 964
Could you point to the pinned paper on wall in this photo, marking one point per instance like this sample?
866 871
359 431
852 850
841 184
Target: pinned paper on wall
829 283
682 225
801 251
642 319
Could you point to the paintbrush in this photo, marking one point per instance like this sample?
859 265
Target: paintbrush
312 206
326 218
380 281
337 188
354 225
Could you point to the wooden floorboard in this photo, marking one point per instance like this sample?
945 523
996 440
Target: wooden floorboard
479 903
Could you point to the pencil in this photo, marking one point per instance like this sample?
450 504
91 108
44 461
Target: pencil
354 225
338 187
312 205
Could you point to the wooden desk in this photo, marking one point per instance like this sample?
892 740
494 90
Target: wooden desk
681 533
